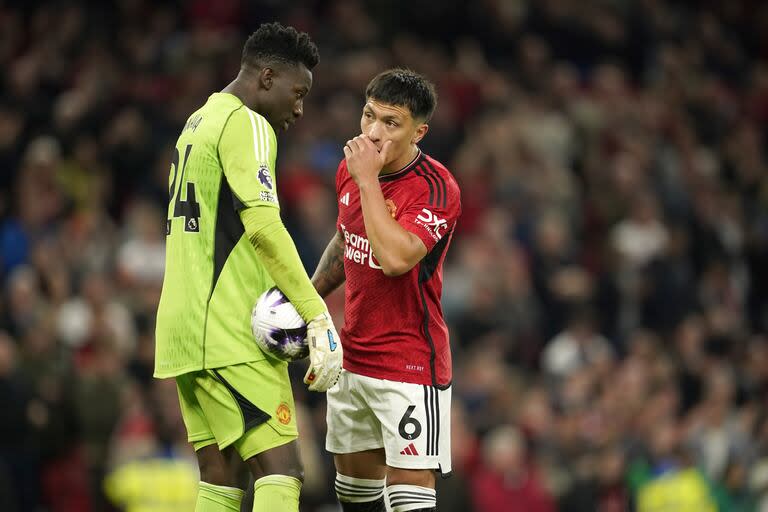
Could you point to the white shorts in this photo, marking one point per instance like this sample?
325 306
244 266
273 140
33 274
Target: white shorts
412 422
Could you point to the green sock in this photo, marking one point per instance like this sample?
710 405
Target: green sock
276 492
217 498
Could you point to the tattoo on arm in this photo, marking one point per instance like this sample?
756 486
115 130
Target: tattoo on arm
330 271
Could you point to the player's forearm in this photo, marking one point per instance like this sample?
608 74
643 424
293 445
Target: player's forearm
396 249
277 251
330 271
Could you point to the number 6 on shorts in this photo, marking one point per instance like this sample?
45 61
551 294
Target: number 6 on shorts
410 421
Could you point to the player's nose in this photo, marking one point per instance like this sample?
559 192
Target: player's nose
298 109
373 132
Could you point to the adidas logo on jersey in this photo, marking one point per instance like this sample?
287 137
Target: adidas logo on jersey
345 199
409 450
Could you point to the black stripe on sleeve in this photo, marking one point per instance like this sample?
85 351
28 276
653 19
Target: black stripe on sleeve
441 180
420 171
438 190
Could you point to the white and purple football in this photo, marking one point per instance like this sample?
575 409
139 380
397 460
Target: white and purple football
277 327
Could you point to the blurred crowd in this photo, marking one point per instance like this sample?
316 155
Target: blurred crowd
607 291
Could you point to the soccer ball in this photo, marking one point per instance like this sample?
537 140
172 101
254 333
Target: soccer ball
277 327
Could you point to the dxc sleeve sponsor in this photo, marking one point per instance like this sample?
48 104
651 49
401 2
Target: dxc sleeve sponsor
434 224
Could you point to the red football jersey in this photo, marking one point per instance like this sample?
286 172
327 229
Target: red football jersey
394 325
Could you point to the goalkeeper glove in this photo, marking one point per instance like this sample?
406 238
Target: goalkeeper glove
325 353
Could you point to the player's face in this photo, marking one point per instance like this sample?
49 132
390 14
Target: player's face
382 122
290 84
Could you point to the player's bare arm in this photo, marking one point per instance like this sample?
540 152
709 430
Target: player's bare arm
329 273
396 249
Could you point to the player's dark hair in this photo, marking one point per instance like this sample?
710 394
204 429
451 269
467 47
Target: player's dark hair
404 88
273 43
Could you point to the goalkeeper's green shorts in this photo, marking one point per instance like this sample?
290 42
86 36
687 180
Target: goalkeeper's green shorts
248 405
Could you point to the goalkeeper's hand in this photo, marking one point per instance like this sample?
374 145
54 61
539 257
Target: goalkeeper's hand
325 353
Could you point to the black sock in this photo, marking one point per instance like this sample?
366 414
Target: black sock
366 506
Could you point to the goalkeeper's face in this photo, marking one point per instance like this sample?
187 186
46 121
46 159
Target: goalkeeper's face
383 121
288 86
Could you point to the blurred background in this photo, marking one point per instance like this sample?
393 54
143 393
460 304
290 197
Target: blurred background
607 290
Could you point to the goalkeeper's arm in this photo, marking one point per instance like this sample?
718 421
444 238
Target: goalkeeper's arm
277 251
275 248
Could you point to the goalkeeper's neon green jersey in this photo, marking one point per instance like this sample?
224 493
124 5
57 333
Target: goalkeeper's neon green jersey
224 161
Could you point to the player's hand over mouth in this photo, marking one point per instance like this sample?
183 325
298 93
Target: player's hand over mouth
364 159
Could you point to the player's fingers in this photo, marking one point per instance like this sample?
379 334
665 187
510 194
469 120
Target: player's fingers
352 145
327 380
325 384
367 143
332 376
347 152
359 142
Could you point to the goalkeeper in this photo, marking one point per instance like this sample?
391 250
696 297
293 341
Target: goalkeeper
225 246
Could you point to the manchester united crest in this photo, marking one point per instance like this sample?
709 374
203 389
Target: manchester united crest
283 413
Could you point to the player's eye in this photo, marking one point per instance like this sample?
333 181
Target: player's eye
392 124
368 115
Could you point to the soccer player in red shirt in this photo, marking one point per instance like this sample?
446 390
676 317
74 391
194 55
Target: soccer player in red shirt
389 415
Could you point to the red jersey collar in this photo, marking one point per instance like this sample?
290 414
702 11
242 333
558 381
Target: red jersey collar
405 170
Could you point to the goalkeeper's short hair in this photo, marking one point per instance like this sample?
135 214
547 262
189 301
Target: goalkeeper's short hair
274 43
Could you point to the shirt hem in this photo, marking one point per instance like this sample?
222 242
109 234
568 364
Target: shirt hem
167 374
389 375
